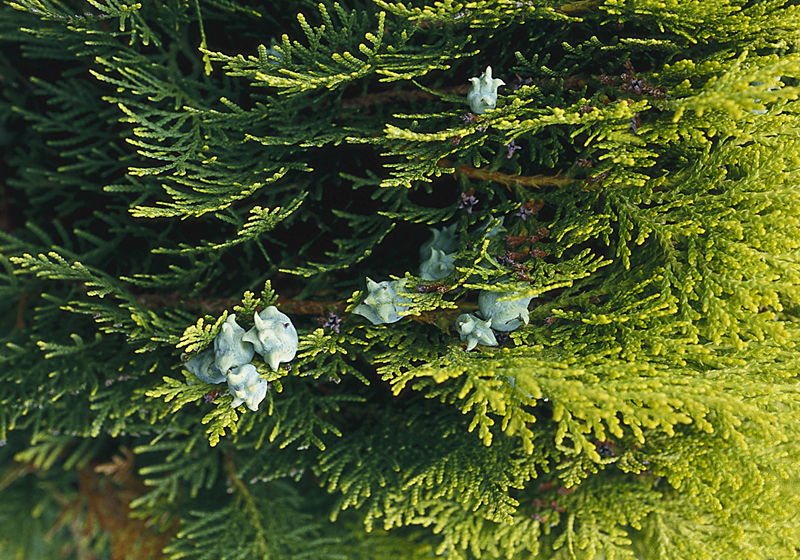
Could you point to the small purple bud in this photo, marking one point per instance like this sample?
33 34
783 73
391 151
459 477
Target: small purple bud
332 322
468 201
512 147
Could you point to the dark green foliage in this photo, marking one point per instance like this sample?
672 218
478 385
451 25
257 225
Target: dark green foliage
167 164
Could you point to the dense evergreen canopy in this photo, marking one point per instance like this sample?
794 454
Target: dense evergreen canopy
552 318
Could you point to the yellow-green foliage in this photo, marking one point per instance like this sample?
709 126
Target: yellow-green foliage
637 180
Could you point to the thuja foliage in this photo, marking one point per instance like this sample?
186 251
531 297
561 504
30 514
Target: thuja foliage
168 164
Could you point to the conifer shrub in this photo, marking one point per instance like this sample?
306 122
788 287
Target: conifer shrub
383 279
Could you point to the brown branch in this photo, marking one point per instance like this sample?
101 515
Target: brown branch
383 97
535 181
218 305
306 307
102 506
294 306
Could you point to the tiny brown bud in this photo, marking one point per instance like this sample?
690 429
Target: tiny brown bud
514 241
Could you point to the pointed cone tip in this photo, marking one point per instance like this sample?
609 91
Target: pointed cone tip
272 311
250 337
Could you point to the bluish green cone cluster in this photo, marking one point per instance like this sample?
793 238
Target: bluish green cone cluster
273 337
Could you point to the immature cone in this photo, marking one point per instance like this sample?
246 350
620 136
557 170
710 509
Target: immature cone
382 303
483 93
444 239
473 331
247 387
229 348
437 266
204 367
505 315
274 337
